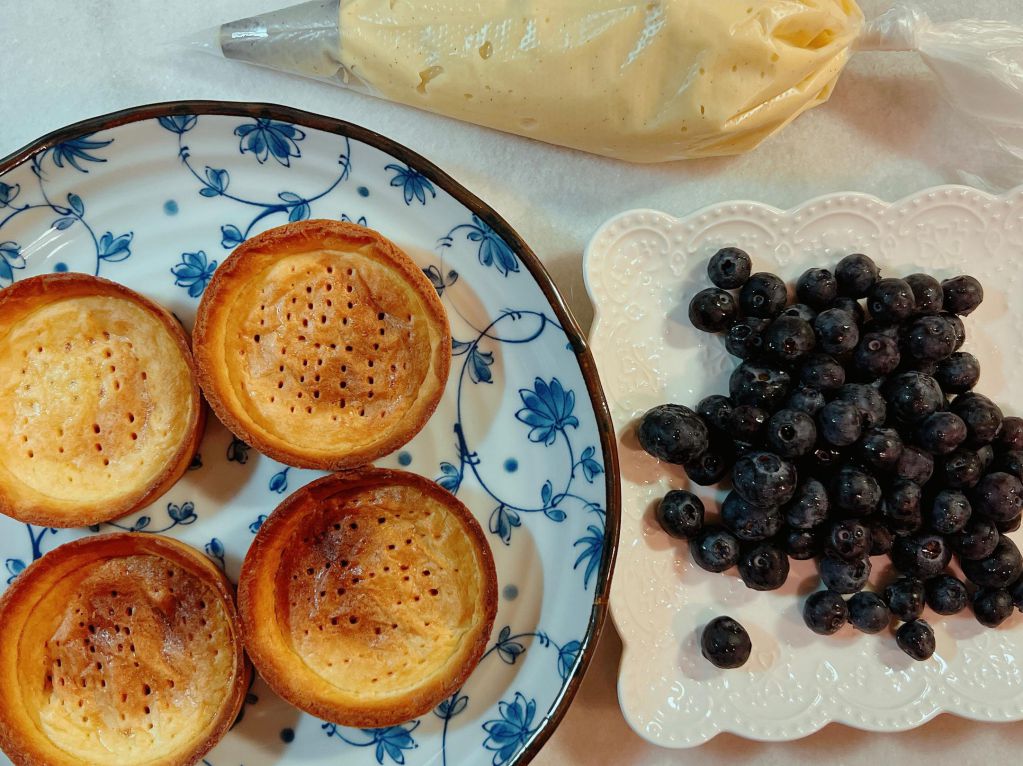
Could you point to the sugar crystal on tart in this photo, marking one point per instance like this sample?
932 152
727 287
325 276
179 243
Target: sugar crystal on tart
119 648
102 410
368 597
322 345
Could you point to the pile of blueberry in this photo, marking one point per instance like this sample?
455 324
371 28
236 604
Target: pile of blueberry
849 431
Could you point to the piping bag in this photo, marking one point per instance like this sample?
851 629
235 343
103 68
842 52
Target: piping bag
648 81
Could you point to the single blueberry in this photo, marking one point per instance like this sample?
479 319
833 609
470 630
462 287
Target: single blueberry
822 372
673 433
957 374
992 606
916 639
809 506
680 514
749 522
839 423
825 612
760 385
712 310
912 396
978 540
868 612
715 549
961 469
877 355
855 275
764 479
921 555
854 492
915 465
890 301
941 433
905 598
716 411
764 567
931 338
982 416
949 512
817 288
999 570
791 433
881 448
946 594
848 539
763 295
900 507
729 268
927 292
844 576
789 339
836 331
1011 435
725 643
745 338
999 497
962 295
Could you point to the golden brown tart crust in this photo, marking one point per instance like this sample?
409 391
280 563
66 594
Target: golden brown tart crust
368 597
102 410
322 345
121 648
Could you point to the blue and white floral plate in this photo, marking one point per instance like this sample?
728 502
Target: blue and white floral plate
156 197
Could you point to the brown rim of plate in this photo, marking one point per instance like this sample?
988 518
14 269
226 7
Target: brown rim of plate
258 599
112 546
80 285
605 426
230 279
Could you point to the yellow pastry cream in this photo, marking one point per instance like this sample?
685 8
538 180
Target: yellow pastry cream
640 81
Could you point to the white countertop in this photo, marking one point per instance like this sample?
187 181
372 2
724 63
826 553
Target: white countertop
885 132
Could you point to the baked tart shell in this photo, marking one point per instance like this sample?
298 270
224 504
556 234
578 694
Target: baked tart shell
368 597
322 345
103 410
121 648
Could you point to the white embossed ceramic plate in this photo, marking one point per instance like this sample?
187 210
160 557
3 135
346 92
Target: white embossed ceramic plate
642 268
156 197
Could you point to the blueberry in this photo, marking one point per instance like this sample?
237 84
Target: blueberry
905 598
852 307
839 423
978 540
877 355
999 570
673 433
760 385
805 399
921 555
927 292
868 612
992 606
848 539
800 311
844 576
1010 462
901 507
825 612
881 538
890 301
962 469
941 433
712 310
868 401
749 522
745 338
764 567
916 639
715 549
962 295
915 465
837 331
764 479
729 268
748 423
791 433
713 464
931 338
958 327
817 288
809 506
912 396
1011 435
800 544
789 339
764 295
881 448
822 372
725 643
680 514
958 374
982 416
946 594
716 412
855 275
999 497
1008 527
855 492
949 512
